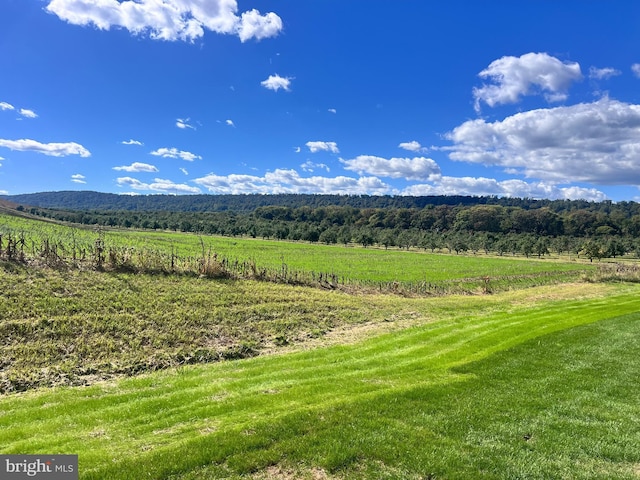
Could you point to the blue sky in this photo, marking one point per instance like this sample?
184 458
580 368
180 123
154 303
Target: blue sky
537 99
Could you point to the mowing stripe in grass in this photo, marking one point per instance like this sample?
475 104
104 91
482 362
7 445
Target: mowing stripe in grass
131 425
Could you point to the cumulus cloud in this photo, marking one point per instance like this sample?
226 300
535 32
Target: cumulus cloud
51 149
78 178
169 19
175 153
315 147
532 73
590 142
132 142
310 167
158 185
635 68
603 73
418 168
6 106
230 123
137 167
254 25
507 188
276 82
413 146
290 181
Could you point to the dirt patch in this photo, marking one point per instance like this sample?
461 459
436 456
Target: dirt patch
276 472
350 334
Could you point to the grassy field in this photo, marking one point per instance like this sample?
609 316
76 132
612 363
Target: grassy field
292 260
528 384
125 368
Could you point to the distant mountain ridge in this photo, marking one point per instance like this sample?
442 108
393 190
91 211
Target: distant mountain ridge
90 200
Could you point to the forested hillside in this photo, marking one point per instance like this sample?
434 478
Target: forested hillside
87 200
455 224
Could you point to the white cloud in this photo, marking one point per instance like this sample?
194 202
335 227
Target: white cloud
635 68
254 25
184 123
532 73
276 82
230 123
297 149
603 73
137 167
78 178
158 185
132 142
315 147
418 168
175 153
6 106
309 166
413 146
169 19
51 149
594 142
184 170
506 188
4 192
25 112
333 110
290 181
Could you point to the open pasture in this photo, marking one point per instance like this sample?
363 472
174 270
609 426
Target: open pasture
349 265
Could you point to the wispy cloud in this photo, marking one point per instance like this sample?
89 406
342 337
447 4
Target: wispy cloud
310 167
132 142
332 110
169 20
25 112
175 153
603 73
51 149
137 167
183 123
276 82
78 178
635 68
230 123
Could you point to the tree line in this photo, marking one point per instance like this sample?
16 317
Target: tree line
594 231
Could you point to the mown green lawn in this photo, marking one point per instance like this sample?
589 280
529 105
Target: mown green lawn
535 384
